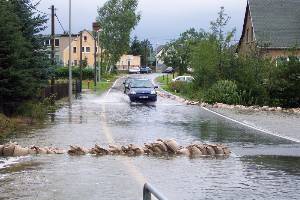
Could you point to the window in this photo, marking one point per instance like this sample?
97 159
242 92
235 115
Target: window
47 43
75 62
85 38
88 49
252 34
56 42
82 49
247 35
74 50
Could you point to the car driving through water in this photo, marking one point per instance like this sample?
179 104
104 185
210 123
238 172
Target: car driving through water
142 90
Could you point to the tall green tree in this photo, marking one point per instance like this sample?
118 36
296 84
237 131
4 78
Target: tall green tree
117 19
143 48
178 52
224 38
23 62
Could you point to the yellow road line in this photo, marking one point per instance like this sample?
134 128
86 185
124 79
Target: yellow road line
132 169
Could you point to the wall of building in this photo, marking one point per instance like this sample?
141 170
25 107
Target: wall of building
135 61
88 45
248 42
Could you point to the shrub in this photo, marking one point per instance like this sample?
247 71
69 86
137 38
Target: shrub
224 91
33 110
63 73
177 86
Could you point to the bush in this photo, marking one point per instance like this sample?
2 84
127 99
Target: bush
223 91
285 84
33 110
177 86
63 73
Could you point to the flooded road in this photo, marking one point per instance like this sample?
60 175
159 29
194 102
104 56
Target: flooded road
261 166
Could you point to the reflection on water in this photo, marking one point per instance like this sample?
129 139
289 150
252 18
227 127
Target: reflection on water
254 173
285 164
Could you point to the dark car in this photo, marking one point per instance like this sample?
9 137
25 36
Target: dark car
145 70
169 70
141 90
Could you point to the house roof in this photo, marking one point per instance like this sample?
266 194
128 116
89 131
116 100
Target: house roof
276 23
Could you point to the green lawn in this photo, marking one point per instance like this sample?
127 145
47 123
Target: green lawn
102 86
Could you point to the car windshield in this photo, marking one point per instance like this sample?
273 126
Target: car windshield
141 84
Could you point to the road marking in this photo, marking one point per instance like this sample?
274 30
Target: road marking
253 127
242 123
132 169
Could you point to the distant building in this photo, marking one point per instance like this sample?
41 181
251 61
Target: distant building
88 50
62 49
160 63
272 26
128 61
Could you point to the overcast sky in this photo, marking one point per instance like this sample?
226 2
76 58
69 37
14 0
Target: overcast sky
161 21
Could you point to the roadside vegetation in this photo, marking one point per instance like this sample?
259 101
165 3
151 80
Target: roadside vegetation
223 76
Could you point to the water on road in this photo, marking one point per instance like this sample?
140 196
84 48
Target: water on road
261 166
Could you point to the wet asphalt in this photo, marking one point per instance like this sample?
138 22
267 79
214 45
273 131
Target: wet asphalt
261 166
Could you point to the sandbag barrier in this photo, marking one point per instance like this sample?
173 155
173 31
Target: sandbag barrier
157 148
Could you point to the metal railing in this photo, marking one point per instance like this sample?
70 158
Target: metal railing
149 190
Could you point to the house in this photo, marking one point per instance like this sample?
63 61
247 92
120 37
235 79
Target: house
273 26
62 48
88 51
128 61
159 62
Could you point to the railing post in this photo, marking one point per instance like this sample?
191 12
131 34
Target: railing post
150 190
146 193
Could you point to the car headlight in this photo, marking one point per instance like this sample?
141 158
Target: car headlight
132 92
153 92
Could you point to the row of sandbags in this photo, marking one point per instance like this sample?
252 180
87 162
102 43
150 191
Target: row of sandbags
157 148
15 150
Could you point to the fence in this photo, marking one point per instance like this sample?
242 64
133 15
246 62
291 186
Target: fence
60 90
149 190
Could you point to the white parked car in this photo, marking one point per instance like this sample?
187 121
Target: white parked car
187 79
134 70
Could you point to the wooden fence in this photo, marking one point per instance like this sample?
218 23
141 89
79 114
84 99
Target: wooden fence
60 90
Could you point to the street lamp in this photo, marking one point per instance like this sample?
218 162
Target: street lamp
70 54
97 29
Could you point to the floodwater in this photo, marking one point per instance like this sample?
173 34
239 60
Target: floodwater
261 166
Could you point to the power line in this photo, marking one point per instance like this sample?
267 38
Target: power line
60 23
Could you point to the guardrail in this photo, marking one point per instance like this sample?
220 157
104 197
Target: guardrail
149 190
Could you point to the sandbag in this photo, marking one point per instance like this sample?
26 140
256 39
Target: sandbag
172 145
210 151
219 150
33 150
202 148
183 151
226 151
20 151
115 149
41 150
162 145
194 151
9 149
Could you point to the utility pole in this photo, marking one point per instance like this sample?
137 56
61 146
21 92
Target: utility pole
52 35
52 42
70 53
95 61
99 56
80 62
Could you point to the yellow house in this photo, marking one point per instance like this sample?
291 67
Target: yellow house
89 46
128 61
88 49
